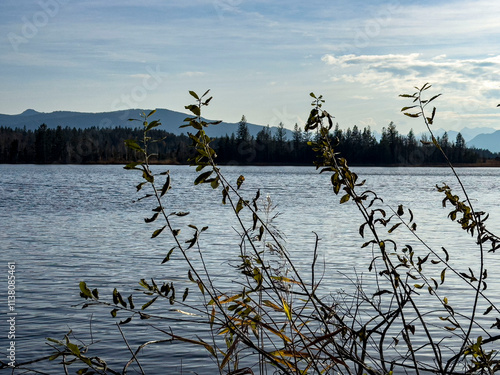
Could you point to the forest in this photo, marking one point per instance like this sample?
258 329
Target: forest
106 146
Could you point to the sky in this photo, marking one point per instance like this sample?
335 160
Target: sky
259 58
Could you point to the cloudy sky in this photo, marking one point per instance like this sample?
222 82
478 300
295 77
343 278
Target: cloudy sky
260 58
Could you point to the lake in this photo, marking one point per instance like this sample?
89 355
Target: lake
62 224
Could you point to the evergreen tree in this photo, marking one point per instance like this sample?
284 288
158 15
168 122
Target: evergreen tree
243 134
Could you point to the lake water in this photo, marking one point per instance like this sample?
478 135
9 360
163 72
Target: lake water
62 224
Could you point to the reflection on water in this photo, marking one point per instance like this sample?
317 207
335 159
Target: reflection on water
65 224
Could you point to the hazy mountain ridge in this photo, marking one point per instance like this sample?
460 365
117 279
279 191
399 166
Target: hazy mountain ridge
481 138
486 141
171 120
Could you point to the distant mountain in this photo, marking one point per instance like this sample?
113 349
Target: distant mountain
486 141
467 133
170 120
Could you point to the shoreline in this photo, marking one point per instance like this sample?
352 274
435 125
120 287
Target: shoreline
489 163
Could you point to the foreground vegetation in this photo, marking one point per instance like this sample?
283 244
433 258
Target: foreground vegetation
281 318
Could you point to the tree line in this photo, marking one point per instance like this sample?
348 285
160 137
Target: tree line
106 145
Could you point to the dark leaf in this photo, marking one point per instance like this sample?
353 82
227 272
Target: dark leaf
167 258
153 124
394 227
132 166
488 310
380 292
166 186
240 180
122 322
194 109
153 218
194 95
147 304
157 232
202 177
132 144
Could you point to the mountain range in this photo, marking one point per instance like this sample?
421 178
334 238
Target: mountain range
171 120
483 138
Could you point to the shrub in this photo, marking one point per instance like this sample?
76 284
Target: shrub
281 321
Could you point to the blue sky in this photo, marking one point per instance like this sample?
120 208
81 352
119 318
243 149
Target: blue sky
260 58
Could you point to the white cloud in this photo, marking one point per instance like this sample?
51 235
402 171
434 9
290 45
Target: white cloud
388 72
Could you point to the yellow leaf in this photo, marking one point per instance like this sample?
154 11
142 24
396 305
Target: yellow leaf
287 309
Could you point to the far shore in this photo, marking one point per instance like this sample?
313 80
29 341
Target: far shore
488 163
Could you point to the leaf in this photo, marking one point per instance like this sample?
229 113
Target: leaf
145 285
285 279
201 287
85 291
166 186
149 303
367 243
167 258
240 180
434 97
157 232
225 194
146 174
152 124
194 109
240 205
287 310
122 322
151 219
362 229
488 310
443 275
194 95
139 187
202 177
132 144
380 292
394 227
447 256
184 296
74 349
345 198
117 298
132 166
